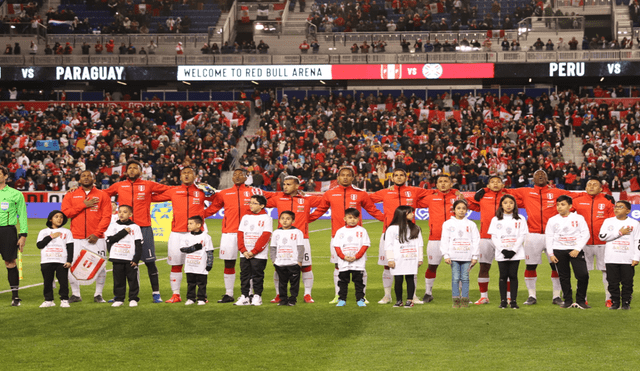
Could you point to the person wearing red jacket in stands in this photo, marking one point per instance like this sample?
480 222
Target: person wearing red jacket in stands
440 210
137 193
109 46
187 200
397 195
540 204
90 212
290 200
595 206
340 198
235 201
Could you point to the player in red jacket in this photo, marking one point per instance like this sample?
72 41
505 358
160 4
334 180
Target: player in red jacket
540 204
486 201
90 212
439 205
187 200
398 195
137 193
340 198
290 200
235 201
595 206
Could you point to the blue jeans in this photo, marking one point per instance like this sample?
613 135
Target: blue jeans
460 273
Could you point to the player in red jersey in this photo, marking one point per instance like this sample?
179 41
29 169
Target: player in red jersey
340 198
290 200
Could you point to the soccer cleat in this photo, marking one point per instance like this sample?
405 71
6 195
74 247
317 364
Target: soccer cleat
117 304
256 300
398 304
157 298
276 299
189 302
417 301
243 300
175 298
341 303
226 299
385 300
64 304
133 303
503 304
202 302
582 305
427 298
47 304
335 300
610 303
514 305
626 306
566 305
99 299
408 304
15 302
111 300
557 301
482 301
308 299
75 299
614 306
531 301
361 303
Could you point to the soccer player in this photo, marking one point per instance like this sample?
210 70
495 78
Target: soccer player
90 211
137 194
440 210
540 204
235 201
187 200
339 199
12 209
290 200
486 201
595 207
566 235
397 195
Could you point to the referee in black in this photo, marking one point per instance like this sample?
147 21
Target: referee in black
12 208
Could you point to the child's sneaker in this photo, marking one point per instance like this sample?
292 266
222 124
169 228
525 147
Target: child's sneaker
385 300
133 303
276 299
243 300
416 300
361 303
47 304
256 300
157 298
398 304
503 304
202 302
456 302
335 300
464 302
341 303
117 304
189 302
365 300
514 305
408 304
64 304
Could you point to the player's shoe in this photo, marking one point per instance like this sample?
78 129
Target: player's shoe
566 305
175 298
365 300
427 298
626 306
202 302
609 303
531 301
503 304
276 299
283 302
557 301
416 300
226 299
256 300
614 306
408 304
133 303
398 304
361 303
291 303
482 301
75 299
111 300
157 298
64 304
308 299
514 305
47 304
385 300
335 300
583 305
341 303
99 299
117 303
189 302
16 302
243 300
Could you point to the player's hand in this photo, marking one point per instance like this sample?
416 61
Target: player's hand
21 241
92 239
392 264
56 235
626 230
128 230
91 202
66 265
553 259
247 255
133 264
448 261
574 253
634 263
419 263
459 195
473 263
300 264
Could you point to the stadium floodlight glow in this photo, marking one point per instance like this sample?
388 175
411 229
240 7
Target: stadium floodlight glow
322 82
255 82
601 79
121 83
259 27
529 79
186 82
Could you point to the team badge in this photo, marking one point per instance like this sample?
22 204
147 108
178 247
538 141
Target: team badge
452 229
499 226
141 188
407 193
246 194
195 194
550 196
354 197
301 201
610 228
4 206
600 206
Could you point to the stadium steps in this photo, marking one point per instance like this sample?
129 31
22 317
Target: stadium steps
252 127
572 149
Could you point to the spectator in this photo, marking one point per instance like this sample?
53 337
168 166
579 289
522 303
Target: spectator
48 50
205 49
549 46
8 50
110 46
33 48
263 48
68 49
215 49
98 48
505 44
85 48
364 48
131 49
142 51
179 49
315 47
123 49
304 47
417 47
538 45
404 44
573 44
355 48
151 49
16 49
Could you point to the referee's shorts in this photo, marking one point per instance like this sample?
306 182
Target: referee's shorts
9 243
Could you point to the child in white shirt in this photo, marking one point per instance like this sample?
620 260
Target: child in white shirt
287 252
56 256
198 248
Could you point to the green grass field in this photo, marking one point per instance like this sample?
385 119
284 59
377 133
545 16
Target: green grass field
315 336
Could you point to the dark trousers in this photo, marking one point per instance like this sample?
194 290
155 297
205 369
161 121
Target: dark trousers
509 271
343 284
620 274
49 270
252 269
580 271
123 272
286 274
196 280
411 286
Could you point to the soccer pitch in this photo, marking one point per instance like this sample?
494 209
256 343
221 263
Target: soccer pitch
315 336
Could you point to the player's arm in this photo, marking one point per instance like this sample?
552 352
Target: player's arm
271 198
22 218
378 196
159 188
69 209
320 210
112 190
105 214
549 236
518 193
162 197
473 204
212 209
372 209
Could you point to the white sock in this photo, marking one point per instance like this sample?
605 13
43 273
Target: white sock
100 280
276 282
428 285
75 285
364 281
229 281
530 282
387 281
335 280
555 282
387 291
484 280
176 281
307 280
606 285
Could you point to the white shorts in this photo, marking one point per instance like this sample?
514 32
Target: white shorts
175 256
597 251
306 259
229 246
434 254
534 245
382 255
487 251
